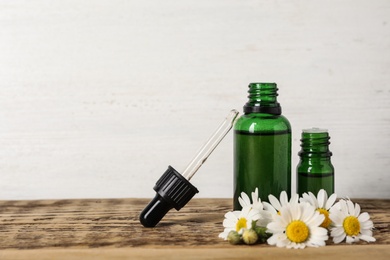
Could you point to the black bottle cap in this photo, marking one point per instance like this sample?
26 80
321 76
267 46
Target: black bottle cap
173 191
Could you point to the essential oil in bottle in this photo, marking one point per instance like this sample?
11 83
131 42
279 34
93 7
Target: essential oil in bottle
262 146
315 170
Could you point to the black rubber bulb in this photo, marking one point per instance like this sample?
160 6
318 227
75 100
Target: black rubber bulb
154 211
173 191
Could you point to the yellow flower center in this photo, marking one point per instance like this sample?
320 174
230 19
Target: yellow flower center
351 226
327 221
297 231
241 223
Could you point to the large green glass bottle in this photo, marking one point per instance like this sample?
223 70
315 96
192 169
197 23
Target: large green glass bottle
315 170
262 146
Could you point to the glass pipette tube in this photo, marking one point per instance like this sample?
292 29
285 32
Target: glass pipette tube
205 151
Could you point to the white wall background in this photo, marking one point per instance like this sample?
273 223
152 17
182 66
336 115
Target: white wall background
98 97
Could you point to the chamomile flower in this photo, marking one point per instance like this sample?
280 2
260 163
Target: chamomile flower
256 204
322 204
297 226
244 200
349 224
239 220
276 204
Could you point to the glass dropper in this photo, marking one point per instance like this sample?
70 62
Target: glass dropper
173 190
205 151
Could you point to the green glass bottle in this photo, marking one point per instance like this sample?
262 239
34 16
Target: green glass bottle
315 170
262 146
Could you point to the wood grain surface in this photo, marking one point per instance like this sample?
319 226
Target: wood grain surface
63 227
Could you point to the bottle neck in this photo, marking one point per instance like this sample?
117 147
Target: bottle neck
263 99
315 145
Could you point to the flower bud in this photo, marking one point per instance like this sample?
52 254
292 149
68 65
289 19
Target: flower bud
262 234
234 238
249 236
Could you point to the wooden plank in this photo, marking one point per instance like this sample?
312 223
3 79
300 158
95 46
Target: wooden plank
97 223
344 252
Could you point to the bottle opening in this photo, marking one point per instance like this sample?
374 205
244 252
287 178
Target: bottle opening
315 130
263 99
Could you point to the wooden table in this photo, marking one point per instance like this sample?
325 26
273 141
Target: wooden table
110 229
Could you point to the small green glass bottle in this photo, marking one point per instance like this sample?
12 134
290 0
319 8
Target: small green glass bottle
262 146
315 170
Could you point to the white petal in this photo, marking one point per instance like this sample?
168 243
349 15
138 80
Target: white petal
312 244
366 232
275 228
266 215
364 217
231 215
255 195
294 198
335 208
357 210
300 246
283 222
242 202
269 207
318 231
331 201
285 214
245 211
249 223
307 213
316 220
258 205
317 241
338 239
314 199
237 213
343 209
245 199
306 198
272 240
367 224
351 207
367 238
223 235
278 239
254 214
274 202
282 241
241 231
322 197
350 240
263 222
336 217
227 223
335 232
291 245
296 211
283 198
